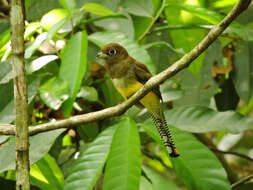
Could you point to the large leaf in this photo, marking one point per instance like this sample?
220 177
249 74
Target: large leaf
158 181
38 148
90 163
134 50
46 174
123 168
73 67
196 166
199 119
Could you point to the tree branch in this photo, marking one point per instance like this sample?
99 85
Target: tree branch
20 93
181 64
232 153
242 181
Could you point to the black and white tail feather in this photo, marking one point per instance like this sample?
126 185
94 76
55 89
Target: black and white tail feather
165 135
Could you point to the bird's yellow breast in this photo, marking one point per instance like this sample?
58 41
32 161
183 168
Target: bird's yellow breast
127 87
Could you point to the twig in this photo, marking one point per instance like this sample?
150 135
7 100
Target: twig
20 93
181 64
242 181
163 5
232 153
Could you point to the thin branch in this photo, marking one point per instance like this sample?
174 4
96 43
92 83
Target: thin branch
242 181
153 19
20 93
181 64
232 153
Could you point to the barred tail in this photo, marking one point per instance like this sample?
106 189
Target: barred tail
165 134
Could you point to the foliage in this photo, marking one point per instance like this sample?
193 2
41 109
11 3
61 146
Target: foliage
213 96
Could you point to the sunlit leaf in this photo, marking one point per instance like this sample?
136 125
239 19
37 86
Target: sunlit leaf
89 165
46 174
123 168
36 44
52 17
41 62
97 9
73 67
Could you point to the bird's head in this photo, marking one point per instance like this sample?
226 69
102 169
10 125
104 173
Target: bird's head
112 53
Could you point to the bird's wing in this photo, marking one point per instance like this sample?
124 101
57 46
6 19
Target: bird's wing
142 74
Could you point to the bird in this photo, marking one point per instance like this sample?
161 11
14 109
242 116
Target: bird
128 76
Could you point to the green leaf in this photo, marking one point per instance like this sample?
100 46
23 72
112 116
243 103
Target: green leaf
70 5
196 166
30 29
163 44
123 168
74 59
40 62
7 109
90 163
5 72
110 96
139 8
141 24
134 50
200 12
145 184
7 113
199 119
200 90
4 38
35 45
38 148
97 9
223 3
88 93
54 92
46 174
214 18
53 17
158 181
52 30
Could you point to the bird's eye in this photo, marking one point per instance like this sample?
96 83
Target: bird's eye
112 52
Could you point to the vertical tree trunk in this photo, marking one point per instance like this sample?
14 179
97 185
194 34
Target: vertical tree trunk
20 93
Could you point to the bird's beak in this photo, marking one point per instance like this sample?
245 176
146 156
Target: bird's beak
101 55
